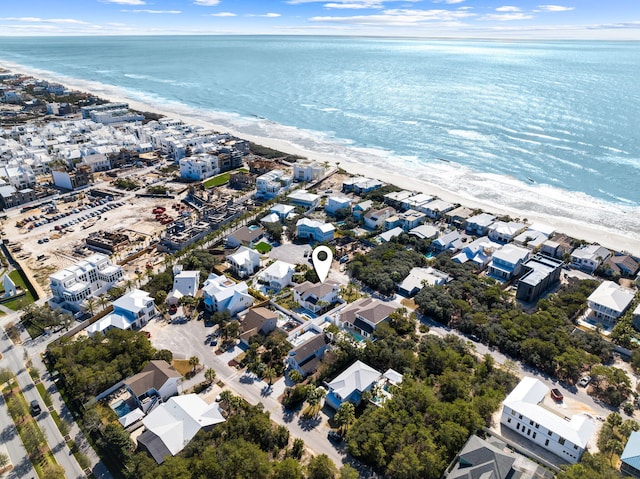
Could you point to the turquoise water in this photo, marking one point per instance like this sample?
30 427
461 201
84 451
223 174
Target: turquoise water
546 127
122 408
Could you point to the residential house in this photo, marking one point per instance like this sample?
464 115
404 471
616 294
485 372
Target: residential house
306 357
375 218
306 170
316 296
90 277
247 236
540 273
491 459
277 276
351 383
131 311
479 252
587 258
410 219
304 199
389 235
335 203
505 232
506 263
397 198
451 241
531 239
97 162
610 301
418 278
364 315
524 413
257 321
416 202
222 294
622 264
458 216
244 262
283 211
156 383
74 180
479 224
436 209
314 230
271 184
185 283
361 185
361 208
630 457
558 246
270 218
20 176
198 167
172 425
425 232
10 197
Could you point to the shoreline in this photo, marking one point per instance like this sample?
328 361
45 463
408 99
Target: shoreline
540 210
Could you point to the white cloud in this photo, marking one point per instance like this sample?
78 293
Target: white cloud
398 17
355 4
507 17
44 20
126 2
206 3
507 8
265 15
158 12
222 14
448 2
554 8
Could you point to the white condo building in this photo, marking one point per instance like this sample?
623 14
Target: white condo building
89 277
524 413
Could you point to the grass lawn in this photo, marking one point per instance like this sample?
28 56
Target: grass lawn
217 180
19 303
182 366
263 248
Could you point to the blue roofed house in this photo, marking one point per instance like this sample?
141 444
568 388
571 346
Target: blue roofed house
131 311
351 383
361 208
451 241
335 203
630 458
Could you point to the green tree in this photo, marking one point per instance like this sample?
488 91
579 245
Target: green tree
298 448
53 471
288 468
269 374
345 416
210 375
118 441
348 472
194 361
321 467
4 460
314 402
5 375
295 376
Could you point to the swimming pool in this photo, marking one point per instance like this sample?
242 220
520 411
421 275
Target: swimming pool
121 408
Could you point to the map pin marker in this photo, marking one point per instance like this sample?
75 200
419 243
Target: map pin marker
322 257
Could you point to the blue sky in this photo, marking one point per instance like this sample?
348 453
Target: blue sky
518 19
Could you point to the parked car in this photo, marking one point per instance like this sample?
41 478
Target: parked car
334 436
556 395
584 381
35 408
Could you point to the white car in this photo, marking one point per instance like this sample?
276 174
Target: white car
584 381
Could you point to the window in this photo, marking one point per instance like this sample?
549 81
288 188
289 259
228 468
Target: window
518 426
561 441
550 433
531 422
534 435
509 420
546 443
537 425
520 416
575 446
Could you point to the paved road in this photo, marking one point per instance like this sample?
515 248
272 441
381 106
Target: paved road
186 340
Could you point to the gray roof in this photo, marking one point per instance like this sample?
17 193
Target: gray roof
154 445
481 460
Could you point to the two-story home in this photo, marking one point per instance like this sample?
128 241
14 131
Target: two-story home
283 211
451 241
506 263
222 294
244 262
375 218
156 383
436 209
257 321
335 203
351 383
361 208
621 264
540 273
307 170
185 283
587 258
304 199
479 252
316 296
523 413
247 236
199 167
364 315
277 276
610 301
314 230
505 231
360 185
131 311
305 357
418 278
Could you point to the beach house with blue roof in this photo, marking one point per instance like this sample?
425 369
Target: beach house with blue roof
630 458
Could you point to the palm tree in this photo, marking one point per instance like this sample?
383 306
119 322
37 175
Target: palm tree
345 416
269 374
193 362
314 402
91 303
103 301
210 375
129 284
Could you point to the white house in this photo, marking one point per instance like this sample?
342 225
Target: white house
277 276
335 203
523 413
199 167
131 311
157 382
451 241
271 184
419 277
589 257
375 218
479 251
361 208
172 425
91 276
314 230
306 170
504 232
424 232
283 211
610 301
185 283
436 209
315 297
244 262
507 262
222 294
478 224
351 383
304 199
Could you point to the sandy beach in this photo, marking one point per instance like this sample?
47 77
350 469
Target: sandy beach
556 215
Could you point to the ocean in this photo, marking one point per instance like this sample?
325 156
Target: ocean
549 127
